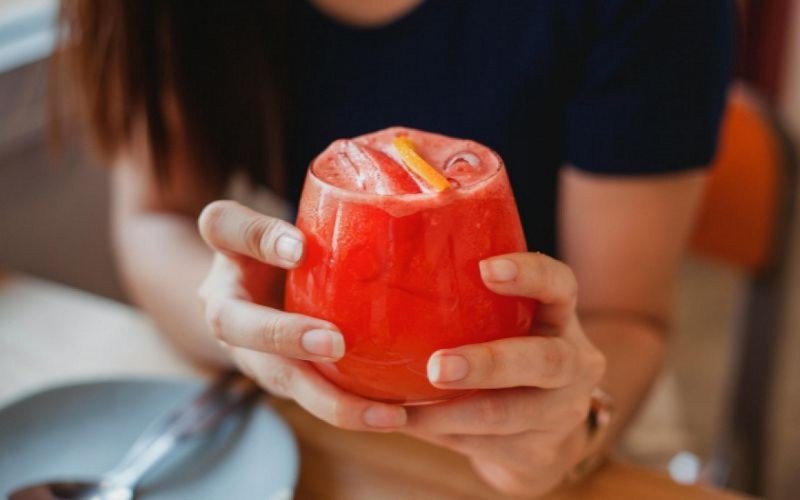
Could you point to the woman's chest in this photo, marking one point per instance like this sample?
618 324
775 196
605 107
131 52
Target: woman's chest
456 70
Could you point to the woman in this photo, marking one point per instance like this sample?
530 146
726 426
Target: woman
605 113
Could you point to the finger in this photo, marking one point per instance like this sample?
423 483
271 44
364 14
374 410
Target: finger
300 381
525 450
531 464
536 276
245 279
531 483
230 227
502 412
535 361
244 324
522 464
223 279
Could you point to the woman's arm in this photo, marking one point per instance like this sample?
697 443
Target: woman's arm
624 239
215 304
601 322
159 252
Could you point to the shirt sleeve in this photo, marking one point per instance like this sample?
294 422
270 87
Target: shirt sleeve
652 86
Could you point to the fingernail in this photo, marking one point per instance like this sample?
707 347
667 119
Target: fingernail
327 343
498 270
289 248
447 368
384 416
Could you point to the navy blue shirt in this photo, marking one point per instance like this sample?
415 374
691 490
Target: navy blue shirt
616 87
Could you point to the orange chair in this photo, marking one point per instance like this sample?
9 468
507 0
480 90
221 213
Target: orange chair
744 222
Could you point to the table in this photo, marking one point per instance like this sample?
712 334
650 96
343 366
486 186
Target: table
52 334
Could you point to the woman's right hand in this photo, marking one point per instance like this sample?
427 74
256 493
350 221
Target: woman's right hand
242 295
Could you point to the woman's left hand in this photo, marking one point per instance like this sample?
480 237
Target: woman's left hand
527 430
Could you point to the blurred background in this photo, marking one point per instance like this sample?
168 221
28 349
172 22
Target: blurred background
733 370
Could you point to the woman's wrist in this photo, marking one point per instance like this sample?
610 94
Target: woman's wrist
598 421
634 354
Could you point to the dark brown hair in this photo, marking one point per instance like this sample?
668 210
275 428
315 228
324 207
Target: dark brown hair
217 66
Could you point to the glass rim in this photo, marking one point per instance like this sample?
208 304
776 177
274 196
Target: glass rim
407 197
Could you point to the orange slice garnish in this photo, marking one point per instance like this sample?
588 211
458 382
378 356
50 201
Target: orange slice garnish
415 163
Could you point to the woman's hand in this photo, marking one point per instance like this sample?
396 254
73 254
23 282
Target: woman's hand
527 430
522 434
242 295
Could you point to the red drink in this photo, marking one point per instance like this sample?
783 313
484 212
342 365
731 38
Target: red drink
394 264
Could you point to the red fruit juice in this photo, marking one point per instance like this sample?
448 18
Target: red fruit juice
394 264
